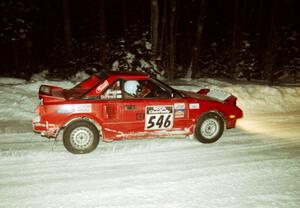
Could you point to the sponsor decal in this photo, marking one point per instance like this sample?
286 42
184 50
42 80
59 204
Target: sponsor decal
159 117
179 110
101 87
179 106
112 94
65 109
82 108
179 113
194 106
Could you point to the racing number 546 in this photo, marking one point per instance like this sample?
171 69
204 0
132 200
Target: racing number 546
159 121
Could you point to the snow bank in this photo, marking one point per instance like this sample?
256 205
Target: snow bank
263 106
10 81
18 98
252 98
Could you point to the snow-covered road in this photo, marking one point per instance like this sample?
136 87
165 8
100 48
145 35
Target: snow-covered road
243 169
255 165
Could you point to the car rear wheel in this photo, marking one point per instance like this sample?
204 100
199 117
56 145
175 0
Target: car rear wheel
81 137
209 128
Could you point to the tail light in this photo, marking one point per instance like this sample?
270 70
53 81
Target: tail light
38 110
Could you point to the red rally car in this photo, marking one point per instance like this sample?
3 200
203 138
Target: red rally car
123 105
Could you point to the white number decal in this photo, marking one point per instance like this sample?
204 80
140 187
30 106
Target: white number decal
159 117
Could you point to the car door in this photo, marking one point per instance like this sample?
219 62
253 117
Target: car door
123 114
166 115
133 115
151 111
132 108
166 111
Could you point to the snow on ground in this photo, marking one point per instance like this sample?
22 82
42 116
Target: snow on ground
263 105
19 101
255 165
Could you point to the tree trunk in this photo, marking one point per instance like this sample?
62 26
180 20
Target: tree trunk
154 27
259 34
198 37
102 31
188 35
102 17
93 18
259 26
163 39
67 30
236 39
172 40
125 26
271 51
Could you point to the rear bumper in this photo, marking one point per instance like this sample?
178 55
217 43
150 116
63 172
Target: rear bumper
45 129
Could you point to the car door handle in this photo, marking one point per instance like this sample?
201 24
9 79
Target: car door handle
129 107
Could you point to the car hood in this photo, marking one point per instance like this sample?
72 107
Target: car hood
213 95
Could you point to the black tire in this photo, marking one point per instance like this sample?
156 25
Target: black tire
81 137
209 128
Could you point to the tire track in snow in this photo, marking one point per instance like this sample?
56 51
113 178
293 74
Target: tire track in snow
234 172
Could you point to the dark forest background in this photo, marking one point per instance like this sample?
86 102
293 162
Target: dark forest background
235 39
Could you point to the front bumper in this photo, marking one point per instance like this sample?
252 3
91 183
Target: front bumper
231 122
45 129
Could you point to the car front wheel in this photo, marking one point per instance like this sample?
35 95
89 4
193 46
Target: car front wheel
209 128
81 137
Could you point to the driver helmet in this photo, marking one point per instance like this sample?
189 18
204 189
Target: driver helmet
131 87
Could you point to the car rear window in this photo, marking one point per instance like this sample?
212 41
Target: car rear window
85 86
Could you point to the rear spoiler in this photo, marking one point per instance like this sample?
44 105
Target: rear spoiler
50 93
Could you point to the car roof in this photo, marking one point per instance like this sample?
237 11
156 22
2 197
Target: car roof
128 74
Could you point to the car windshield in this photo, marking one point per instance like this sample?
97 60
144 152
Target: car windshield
170 89
85 86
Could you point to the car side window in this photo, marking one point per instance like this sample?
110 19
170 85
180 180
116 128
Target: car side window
112 92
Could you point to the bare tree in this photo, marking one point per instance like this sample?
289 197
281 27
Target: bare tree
260 34
93 16
172 40
188 34
67 29
163 31
102 31
271 51
154 27
124 12
236 38
259 27
198 37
